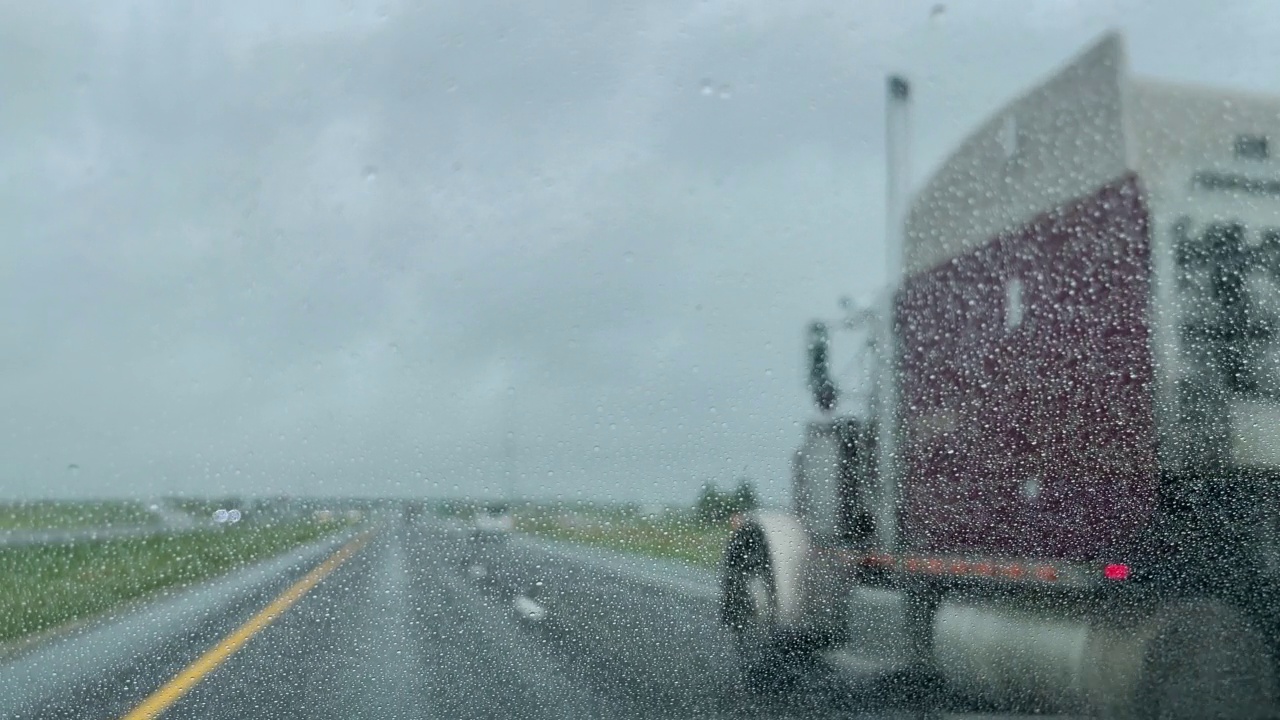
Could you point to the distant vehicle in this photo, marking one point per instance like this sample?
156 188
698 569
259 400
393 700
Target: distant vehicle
492 526
1065 491
413 511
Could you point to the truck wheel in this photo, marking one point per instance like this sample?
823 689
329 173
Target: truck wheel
770 658
1207 661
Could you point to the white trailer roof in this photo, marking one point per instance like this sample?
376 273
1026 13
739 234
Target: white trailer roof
1085 126
1202 156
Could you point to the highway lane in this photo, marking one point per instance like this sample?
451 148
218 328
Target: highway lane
423 623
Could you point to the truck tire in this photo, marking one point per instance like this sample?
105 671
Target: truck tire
771 658
1208 661
1192 658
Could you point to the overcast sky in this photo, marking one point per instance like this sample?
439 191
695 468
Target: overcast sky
345 246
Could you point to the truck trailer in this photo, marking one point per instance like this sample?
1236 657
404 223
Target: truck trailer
1064 496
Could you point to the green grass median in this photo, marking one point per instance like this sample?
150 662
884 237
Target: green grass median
677 538
48 585
70 515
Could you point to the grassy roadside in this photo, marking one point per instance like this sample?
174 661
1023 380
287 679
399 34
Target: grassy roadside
68 515
669 538
48 585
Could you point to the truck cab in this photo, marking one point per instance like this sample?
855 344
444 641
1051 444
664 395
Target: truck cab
1063 499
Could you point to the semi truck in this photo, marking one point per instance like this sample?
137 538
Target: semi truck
1063 495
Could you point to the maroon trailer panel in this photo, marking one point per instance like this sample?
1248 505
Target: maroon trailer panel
1027 387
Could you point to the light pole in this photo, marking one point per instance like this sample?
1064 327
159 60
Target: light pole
897 190
509 437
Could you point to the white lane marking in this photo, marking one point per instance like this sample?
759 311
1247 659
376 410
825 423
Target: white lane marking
529 608
507 651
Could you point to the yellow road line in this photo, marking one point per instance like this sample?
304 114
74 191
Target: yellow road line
172 691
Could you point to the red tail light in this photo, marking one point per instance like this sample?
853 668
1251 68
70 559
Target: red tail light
1116 571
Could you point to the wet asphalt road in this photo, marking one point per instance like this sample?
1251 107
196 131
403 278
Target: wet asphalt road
426 622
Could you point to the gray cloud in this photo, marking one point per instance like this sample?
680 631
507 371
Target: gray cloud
346 248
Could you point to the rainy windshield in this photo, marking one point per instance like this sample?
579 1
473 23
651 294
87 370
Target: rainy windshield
683 359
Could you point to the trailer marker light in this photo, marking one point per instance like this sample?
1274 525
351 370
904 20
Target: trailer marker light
1047 573
875 560
1013 572
1116 571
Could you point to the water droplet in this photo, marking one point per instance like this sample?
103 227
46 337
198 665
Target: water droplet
937 11
370 173
707 88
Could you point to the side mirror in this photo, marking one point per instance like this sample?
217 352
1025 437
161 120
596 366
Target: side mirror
820 382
